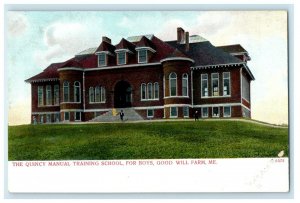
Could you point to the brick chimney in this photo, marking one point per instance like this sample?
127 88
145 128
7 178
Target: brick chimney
187 41
106 39
180 35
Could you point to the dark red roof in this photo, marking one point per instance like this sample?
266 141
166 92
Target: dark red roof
105 46
145 42
124 44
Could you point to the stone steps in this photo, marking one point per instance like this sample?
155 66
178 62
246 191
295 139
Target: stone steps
129 115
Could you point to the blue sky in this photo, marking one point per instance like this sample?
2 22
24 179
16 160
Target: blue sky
36 39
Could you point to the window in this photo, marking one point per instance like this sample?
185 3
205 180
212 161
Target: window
48 95
102 94
102 59
97 94
204 85
150 113
121 58
142 54
77 96
143 91
91 95
156 90
67 116
56 94
204 112
150 91
185 81
48 118
215 112
57 117
227 111
215 84
173 84
40 96
173 112
66 92
77 116
41 119
226 83
185 111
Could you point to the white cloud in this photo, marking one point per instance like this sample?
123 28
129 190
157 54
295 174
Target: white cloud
168 29
64 40
125 22
17 23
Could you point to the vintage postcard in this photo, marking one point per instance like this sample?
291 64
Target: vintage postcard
147 101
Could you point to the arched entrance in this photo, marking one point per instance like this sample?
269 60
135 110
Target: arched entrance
122 95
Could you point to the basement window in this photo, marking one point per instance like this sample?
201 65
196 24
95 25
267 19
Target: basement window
215 112
150 113
204 112
173 112
227 111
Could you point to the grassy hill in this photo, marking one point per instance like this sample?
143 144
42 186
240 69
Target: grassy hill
150 140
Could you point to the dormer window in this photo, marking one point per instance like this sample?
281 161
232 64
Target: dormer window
121 57
102 59
142 56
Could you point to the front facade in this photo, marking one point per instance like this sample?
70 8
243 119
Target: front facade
157 79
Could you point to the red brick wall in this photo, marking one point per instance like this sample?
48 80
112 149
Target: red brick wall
235 86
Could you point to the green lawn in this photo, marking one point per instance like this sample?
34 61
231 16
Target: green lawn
150 140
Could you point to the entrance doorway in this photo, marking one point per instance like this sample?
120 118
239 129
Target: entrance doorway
122 95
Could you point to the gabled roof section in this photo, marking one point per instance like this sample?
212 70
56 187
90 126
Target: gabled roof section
145 42
233 49
124 44
105 46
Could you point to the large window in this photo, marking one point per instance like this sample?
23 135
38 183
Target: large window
204 113
102 59
173 84
142 58
226 83
77 96
204 85
121 58
226 111
215 84
66 91
56 94
215 111
173 112
185 83
156 90
48 95
97 94
143 91
40 96
150 91
91 95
